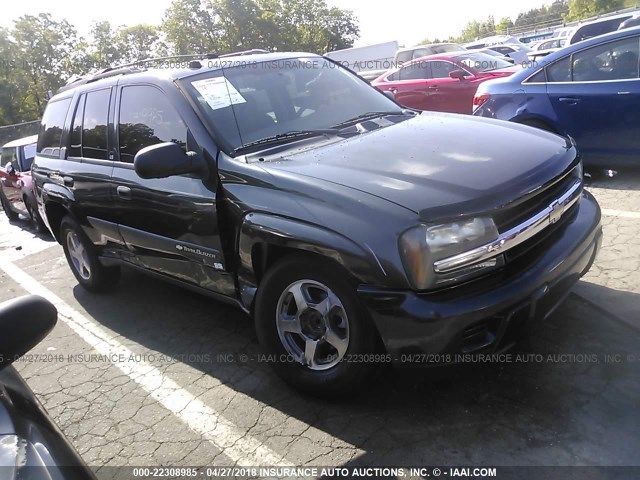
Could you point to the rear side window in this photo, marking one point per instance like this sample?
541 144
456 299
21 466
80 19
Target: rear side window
415 71
75 150
94 124
51 127
405 56
560 71
146 118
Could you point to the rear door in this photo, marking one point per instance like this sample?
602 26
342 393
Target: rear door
411 86
595 95
170 225
450 94
86 172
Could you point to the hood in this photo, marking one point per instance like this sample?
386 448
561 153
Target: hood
435 161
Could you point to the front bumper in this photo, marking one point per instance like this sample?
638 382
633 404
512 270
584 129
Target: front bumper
488 314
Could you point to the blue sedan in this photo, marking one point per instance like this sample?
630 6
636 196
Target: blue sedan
589 90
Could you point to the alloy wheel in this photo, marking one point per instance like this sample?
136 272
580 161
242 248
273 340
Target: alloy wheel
78 255
312 324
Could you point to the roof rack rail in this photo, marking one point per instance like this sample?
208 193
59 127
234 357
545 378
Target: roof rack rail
141 65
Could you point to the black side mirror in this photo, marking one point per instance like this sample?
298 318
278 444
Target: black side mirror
24 322
9 169
459 74
167 159
390 94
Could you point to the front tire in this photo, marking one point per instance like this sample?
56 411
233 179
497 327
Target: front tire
315 332
83 259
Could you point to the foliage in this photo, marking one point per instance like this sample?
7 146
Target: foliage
475 30
579 9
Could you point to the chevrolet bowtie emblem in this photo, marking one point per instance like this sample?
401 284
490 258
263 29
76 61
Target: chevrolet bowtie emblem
557 209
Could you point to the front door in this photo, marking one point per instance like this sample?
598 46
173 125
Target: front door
598 104
169 225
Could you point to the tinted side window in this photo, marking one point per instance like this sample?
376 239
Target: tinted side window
415 71
560 71
441 69
51 127
539 77
94 125
402 57
75 149
611 61
147 118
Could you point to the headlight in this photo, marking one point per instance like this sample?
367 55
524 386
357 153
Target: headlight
423 245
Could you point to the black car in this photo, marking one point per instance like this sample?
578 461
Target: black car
31 445
352 230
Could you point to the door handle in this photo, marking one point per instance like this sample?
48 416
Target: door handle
124 192
432 87
569 100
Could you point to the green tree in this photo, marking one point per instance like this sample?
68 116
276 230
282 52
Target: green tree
137 42
45 50
475 30
504 25
581 9
191 27
222 26
104 48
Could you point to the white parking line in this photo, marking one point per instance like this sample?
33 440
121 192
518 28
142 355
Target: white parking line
239 447
620 213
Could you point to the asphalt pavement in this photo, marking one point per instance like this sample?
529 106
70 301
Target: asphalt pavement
154 375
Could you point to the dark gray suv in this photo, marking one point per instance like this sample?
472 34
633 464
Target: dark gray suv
355 232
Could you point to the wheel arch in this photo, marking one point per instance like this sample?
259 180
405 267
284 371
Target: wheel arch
264 239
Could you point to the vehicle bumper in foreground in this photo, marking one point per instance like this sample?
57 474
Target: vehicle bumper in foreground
489 314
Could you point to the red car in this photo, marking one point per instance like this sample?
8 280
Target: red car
16 186
443 83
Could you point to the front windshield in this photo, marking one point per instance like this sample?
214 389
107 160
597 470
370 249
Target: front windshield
482 62
251 101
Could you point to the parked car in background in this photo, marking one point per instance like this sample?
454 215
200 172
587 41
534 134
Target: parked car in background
31 445
631 22
590 91
493 53
405 55
600 26
491 40
546 47
368 61
443 83
16 186
519 53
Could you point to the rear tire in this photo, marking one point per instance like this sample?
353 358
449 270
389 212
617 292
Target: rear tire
83 259
315 332
11 215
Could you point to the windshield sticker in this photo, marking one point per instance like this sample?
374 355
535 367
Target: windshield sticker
218 92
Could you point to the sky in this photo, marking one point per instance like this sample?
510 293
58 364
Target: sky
406 21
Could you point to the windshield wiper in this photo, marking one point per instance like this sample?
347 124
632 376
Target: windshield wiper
368 116
283 137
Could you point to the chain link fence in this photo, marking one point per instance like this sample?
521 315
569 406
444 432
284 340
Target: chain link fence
18 130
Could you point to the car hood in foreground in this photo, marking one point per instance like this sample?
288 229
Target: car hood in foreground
439 165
